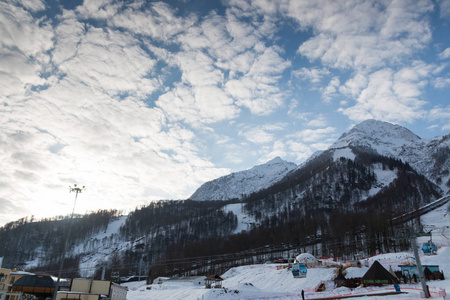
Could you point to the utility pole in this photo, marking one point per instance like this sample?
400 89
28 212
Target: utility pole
419 268
61 266
140 269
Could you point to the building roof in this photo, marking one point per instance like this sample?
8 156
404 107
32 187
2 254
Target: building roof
35 281
378 272
214 277
187 278
340 276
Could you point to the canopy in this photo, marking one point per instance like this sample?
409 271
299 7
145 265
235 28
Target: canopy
305 258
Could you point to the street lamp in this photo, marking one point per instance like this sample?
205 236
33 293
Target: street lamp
77 190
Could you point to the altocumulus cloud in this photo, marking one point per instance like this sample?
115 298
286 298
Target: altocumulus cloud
146 100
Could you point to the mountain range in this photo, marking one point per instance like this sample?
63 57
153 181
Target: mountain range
427 157
340 202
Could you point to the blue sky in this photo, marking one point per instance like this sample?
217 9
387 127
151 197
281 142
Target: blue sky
146 100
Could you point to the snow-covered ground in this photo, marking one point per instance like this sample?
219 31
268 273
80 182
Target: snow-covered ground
244 220
271 281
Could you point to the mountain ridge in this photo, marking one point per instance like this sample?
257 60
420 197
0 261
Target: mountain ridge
242 183
384 138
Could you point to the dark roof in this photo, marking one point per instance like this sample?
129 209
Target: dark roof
427 272
378 272
214 277
340 276
35 281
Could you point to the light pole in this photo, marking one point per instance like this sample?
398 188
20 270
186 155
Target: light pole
426 292
61 266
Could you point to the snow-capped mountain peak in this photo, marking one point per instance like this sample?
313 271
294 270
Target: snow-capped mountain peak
385 138
240 184
428 157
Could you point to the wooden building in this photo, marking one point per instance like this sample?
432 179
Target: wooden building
213 281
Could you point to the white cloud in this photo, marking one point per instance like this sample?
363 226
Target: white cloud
257 89
33 6
261 134
198 69
278 148
329 92
314 135
444 8
362 34
98 9
92 143
366 37
318 121
111 61
391 96
445 54
68 34
222 45
225 44
439 113
225 39
300 151
159 21
292 110
20 31
24 45
89 123
200 105
354 86
128 98
441 82
315 75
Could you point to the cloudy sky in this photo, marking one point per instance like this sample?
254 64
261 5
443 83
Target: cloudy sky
145 100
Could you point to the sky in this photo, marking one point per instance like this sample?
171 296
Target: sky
147 100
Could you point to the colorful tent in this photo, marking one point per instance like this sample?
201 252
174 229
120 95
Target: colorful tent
306 258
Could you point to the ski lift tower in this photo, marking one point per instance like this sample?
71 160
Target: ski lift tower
76 190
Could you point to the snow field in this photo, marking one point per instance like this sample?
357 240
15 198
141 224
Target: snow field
274 282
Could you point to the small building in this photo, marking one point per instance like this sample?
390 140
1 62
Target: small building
7 279
160 280
377 275
213 281
196 280
431 272
340 279
117 292
87 289
351 277
41 286
5 275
